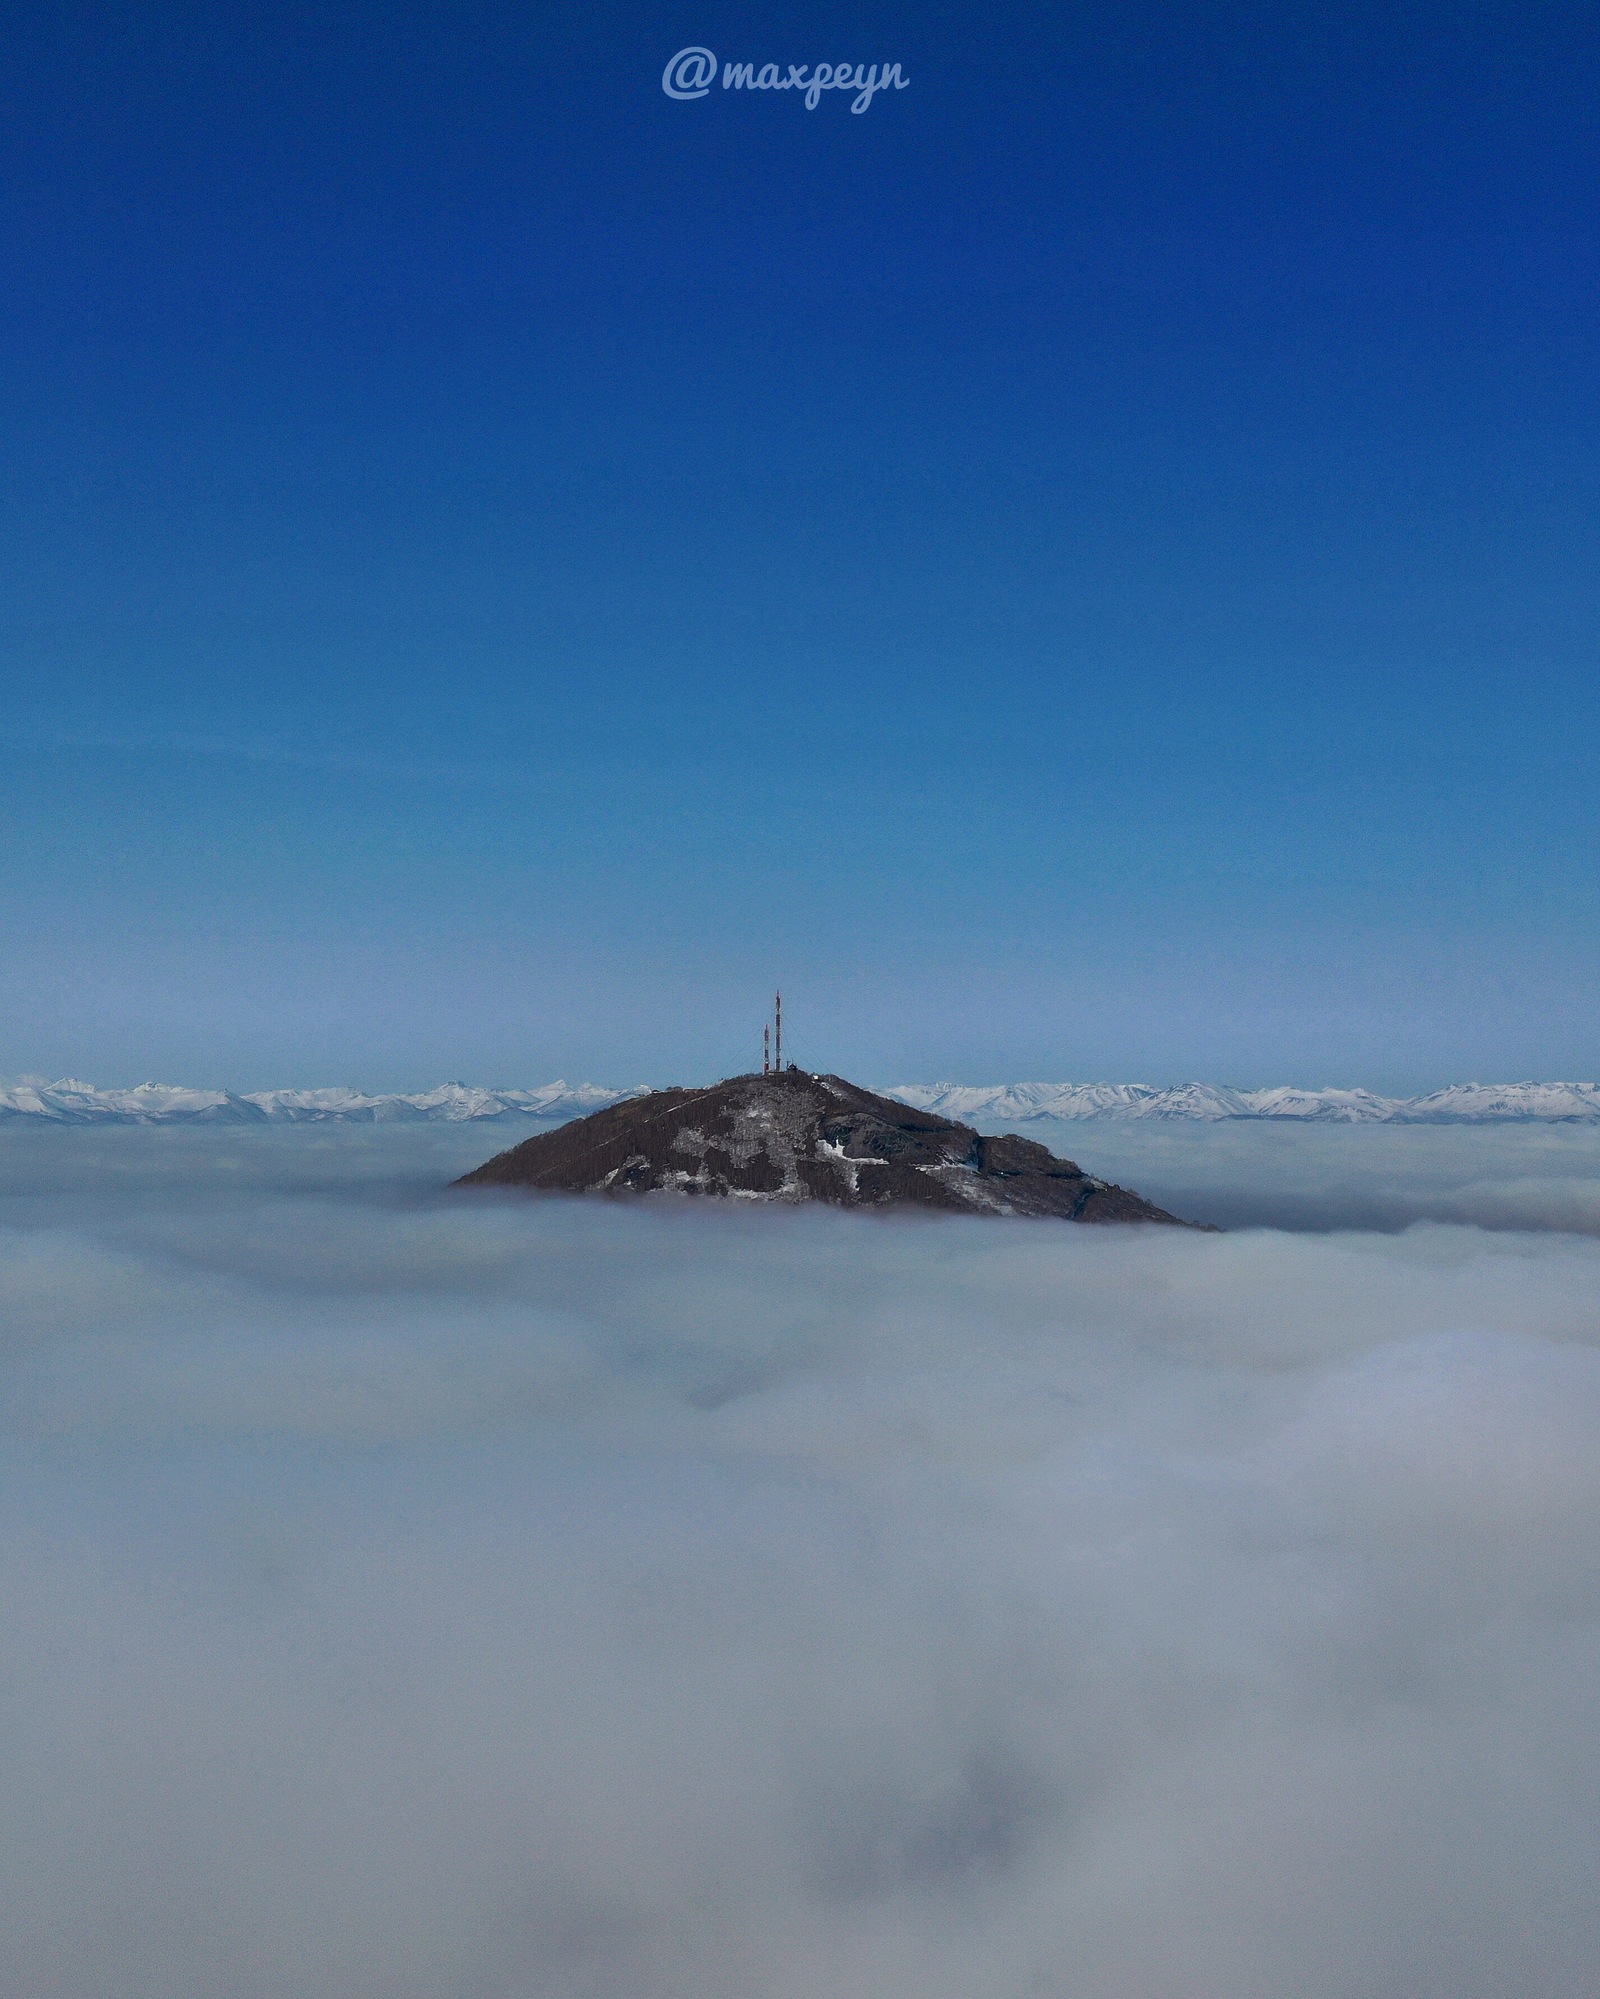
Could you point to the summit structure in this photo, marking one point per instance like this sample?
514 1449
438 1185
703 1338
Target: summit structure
788 1136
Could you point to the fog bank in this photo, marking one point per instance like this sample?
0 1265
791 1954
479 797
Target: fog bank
410 1593
1249 1174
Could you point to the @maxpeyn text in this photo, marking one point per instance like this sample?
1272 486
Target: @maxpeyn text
691 73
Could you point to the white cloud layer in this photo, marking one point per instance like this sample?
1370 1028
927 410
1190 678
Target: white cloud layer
414 1594
1244 1175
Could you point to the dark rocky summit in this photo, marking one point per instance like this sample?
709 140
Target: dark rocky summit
797 1137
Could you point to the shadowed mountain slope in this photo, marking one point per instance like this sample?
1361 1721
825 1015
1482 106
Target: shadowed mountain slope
798 1137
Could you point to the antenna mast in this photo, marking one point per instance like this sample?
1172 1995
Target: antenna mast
778 1037
766 1049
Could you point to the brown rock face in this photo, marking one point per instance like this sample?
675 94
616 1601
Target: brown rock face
797 1137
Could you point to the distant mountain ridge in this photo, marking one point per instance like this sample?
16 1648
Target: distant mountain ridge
72 1102
1461 1103
69 1101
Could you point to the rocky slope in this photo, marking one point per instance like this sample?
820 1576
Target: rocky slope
798 1137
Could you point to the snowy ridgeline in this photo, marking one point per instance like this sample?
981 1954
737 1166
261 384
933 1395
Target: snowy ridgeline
71 1102
1462 1103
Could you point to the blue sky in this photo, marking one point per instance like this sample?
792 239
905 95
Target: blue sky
1085 569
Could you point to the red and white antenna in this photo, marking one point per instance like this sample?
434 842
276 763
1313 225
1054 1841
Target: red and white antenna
766 1049
778 1037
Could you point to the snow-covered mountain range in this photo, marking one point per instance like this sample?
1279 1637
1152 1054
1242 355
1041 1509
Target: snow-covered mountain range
71 1102
1462 1103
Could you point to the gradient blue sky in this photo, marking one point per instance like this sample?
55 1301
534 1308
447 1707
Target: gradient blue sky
1087 569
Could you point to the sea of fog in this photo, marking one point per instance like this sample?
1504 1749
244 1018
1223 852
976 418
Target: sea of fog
409 1594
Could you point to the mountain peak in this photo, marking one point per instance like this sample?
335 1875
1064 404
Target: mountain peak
793 1137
